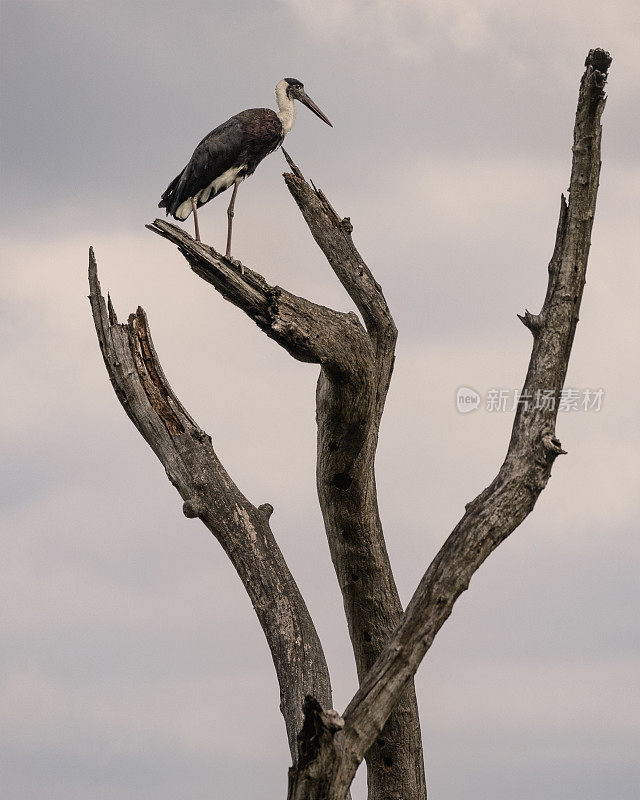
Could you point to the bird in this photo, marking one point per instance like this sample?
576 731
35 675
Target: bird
231 152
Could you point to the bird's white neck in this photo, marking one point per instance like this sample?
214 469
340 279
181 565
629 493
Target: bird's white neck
286 107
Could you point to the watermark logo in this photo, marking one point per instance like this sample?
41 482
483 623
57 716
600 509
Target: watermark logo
509 400
467 399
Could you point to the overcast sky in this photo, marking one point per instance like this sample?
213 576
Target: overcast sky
132 665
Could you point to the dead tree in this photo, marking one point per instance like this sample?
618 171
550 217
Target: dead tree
381 722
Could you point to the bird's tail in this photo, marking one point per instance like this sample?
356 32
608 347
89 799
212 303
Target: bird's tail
166 201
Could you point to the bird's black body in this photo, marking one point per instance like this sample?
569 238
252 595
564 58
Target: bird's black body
231 151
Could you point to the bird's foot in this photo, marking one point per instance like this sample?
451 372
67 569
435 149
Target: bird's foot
237 264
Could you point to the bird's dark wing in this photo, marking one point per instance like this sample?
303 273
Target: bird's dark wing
261 134
216 153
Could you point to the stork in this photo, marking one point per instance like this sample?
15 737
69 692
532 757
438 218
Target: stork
231 152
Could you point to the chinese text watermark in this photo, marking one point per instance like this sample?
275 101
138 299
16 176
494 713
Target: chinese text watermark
497 400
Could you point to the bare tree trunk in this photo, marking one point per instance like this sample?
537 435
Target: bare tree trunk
349 410
356 365
381 723
505 503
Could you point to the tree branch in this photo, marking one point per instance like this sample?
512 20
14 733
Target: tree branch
243 530
356 367
506 502
308 331
348 417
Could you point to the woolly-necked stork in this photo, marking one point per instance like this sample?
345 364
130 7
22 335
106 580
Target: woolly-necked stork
231 152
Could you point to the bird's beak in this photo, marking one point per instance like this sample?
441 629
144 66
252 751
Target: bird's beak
304 98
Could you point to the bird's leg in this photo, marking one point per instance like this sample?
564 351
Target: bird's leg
195 218
230 218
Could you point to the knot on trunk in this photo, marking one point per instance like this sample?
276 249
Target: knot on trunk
193 508
318 729
552 444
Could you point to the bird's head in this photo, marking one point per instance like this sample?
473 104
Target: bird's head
294 90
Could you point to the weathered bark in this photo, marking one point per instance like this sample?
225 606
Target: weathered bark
381 722
500 508
187 454
348 416
356 366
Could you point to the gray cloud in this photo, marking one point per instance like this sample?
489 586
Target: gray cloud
132 663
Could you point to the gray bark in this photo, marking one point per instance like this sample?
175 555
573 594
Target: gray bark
356 365
348 415
381 722
208 492
504 504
